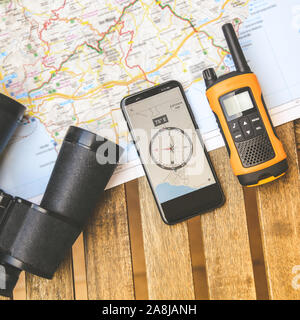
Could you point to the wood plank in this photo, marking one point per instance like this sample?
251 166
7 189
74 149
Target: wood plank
167 253
198 258
225 237
136 239
79 271
259 269
20 289
279 208
107 249
59 288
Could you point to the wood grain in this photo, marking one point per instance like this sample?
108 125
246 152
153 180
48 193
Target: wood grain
225 237
254 232
59 288
297 132
136 240
20 289
167 254
198 258
107 249
279 212
79 270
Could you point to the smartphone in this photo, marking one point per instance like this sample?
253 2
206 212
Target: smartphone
169 144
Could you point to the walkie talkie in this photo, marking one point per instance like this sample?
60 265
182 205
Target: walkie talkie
256 154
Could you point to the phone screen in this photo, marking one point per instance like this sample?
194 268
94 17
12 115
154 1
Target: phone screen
169 146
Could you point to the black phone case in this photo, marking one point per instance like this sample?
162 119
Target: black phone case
222 197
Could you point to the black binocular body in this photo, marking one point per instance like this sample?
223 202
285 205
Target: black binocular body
11 113
35 238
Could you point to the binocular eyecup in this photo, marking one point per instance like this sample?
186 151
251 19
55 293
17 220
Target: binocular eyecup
35 238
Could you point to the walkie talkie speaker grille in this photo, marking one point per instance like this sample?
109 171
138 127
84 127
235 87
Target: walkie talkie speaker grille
255 151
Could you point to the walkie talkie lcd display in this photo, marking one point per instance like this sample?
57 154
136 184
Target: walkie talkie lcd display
175 161
256 154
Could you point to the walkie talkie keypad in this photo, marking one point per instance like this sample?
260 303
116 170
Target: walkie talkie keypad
246 127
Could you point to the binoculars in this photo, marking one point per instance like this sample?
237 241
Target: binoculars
35 238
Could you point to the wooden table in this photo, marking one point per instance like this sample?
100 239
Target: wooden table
248 249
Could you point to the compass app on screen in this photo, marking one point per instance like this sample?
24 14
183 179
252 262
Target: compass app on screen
169 146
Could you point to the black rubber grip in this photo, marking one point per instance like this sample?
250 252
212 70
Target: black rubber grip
223 135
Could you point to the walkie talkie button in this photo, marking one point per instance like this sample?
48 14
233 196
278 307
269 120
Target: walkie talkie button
248 131
234 126
256 124
258 129
254 119
244 122
238 136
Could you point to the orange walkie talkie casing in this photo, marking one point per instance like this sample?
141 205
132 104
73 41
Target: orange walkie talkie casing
256 154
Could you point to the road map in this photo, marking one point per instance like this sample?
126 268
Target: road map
70 62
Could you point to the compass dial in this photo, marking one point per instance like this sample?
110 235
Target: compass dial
171 148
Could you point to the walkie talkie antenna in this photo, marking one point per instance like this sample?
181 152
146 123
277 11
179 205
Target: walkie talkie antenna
235 49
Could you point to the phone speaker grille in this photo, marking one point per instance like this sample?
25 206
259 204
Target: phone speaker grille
255 151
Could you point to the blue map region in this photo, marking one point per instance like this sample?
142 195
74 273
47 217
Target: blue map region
32 153
166 191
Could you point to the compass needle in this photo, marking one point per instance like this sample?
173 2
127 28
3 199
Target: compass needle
179 150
